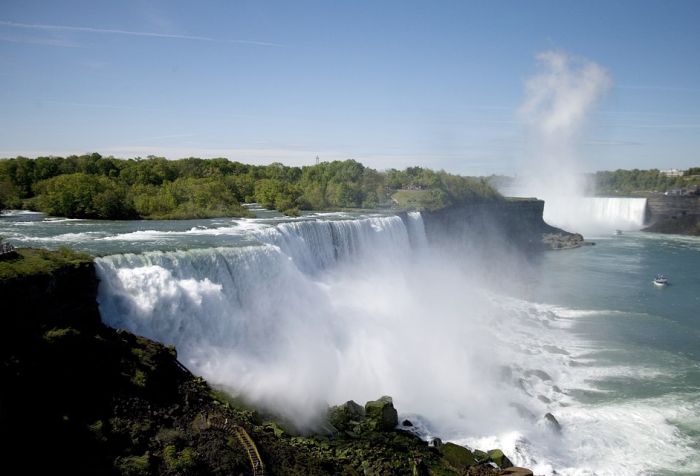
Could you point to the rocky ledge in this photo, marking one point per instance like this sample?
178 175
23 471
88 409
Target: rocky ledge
497 225
563 241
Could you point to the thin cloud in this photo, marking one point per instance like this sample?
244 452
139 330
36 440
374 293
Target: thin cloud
110 31
58 42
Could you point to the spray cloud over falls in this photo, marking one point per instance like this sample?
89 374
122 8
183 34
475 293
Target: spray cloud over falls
557 102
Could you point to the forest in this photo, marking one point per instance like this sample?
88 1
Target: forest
97 187
636 181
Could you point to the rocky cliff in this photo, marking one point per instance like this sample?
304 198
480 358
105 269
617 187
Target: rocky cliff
674 214
507 223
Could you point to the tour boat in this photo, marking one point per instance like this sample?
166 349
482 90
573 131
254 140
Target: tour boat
660 280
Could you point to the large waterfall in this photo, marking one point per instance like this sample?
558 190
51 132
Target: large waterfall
317 312
476 347
595 214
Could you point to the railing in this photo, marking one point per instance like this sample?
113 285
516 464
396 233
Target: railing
246 441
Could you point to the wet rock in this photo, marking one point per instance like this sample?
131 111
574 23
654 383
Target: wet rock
457 456
562 241
499 458
406 423
481 456
435 443
346 416
381 414
552 422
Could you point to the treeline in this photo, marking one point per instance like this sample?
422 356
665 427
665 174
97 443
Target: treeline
639 181
92 186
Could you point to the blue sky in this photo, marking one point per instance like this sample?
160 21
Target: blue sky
388 83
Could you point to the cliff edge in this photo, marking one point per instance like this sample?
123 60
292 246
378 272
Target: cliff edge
509 223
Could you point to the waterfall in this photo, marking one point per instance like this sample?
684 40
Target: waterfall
268 320
596 214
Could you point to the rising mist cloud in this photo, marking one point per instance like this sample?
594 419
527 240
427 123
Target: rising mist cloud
560 96
558 101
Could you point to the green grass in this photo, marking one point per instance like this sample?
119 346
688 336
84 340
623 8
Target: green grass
31 261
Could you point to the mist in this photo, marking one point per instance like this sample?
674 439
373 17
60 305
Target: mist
325 312
557 105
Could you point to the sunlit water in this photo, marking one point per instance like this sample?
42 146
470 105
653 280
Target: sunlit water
295 314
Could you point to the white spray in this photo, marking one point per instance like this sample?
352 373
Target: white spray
558 101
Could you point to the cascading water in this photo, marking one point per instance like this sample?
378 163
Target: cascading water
596 214
320 312
297 314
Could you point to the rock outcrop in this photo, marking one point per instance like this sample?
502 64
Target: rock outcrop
674 214
494 225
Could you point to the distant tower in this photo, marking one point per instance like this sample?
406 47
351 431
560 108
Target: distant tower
317 160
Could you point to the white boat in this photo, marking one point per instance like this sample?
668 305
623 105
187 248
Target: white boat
660 280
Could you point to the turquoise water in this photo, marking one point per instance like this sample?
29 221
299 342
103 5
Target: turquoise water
650 333
584 333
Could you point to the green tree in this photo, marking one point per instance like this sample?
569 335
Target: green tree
81 195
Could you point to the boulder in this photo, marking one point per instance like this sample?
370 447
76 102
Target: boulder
381 414
481 456
552 422
457 456
346 416
435 443
562 240
499 458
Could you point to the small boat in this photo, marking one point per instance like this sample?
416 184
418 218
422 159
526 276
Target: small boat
660 280
618 232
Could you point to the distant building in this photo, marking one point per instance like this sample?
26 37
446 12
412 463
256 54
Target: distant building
672 173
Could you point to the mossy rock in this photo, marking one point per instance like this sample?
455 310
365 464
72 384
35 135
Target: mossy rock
480 456
346 416
499 458
381 414
457 456
132 465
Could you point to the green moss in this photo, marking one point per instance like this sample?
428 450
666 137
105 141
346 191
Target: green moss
30 261
139 378
499 458
97 430
457 456
480 455
132 465
179 460
168 436
55 335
